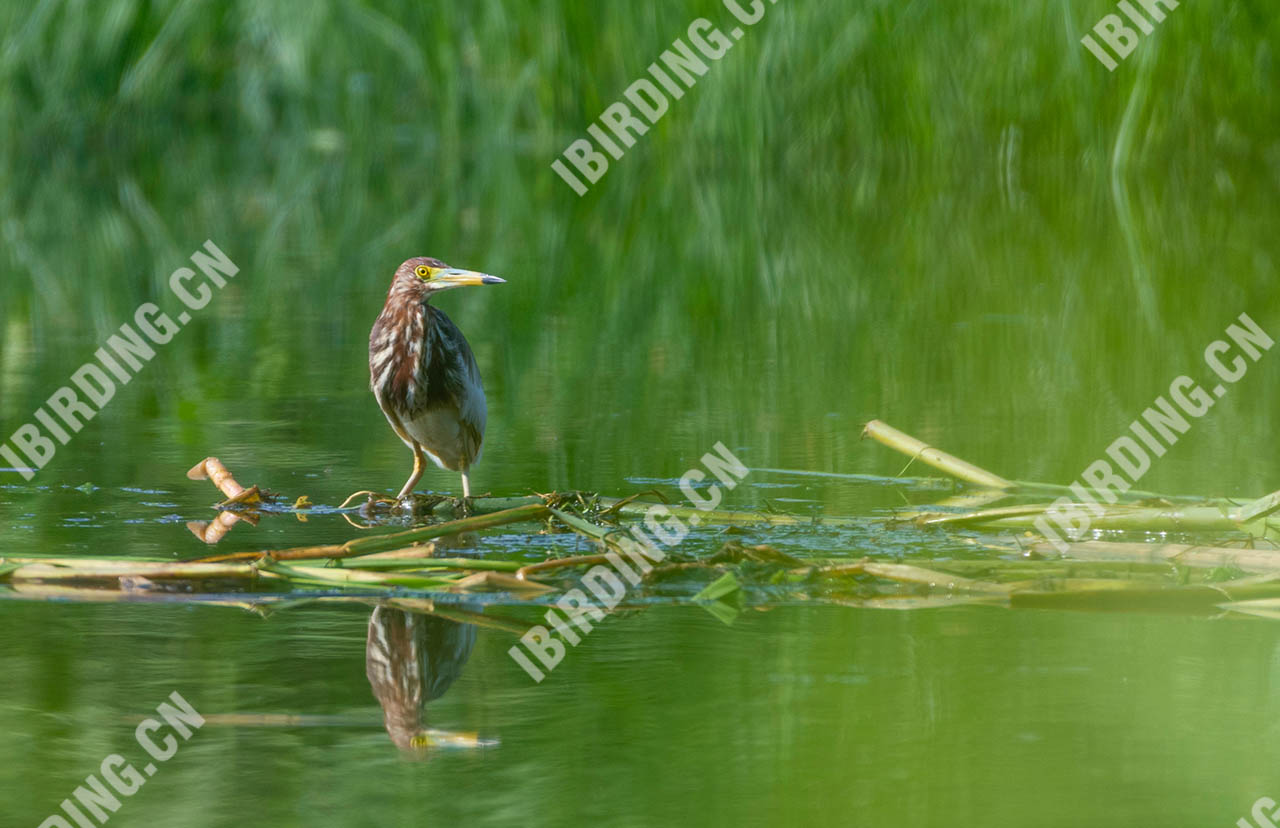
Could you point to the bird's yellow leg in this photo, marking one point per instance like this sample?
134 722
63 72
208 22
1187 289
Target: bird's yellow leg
464 506
419 464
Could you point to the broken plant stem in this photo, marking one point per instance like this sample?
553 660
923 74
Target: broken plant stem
1248 560
887 435
1126 517
398 540
907 574
560 563
891 437
211 468
1260 508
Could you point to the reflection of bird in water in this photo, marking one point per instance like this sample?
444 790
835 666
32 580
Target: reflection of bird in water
412 659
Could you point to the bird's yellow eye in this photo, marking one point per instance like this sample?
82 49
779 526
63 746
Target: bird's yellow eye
423 271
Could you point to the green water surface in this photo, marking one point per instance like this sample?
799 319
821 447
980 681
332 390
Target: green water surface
947 216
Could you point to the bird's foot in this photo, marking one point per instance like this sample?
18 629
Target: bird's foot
416 505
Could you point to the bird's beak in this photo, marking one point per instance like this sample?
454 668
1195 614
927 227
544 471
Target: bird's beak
457 278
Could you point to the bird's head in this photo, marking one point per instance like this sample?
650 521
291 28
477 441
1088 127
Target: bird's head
432 275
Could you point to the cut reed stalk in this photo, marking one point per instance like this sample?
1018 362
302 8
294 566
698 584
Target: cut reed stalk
891 437
379 562
560 563
887 435
904 573
499 582
1123 517
211 468
1257 509
1212 557
101 570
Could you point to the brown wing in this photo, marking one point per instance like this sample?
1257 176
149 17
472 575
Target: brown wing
453 383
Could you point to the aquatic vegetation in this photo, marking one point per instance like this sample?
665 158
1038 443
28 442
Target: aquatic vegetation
723 574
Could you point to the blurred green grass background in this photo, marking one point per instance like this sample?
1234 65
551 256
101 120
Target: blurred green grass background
947 215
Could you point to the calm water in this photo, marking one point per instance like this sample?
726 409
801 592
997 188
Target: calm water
950 219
